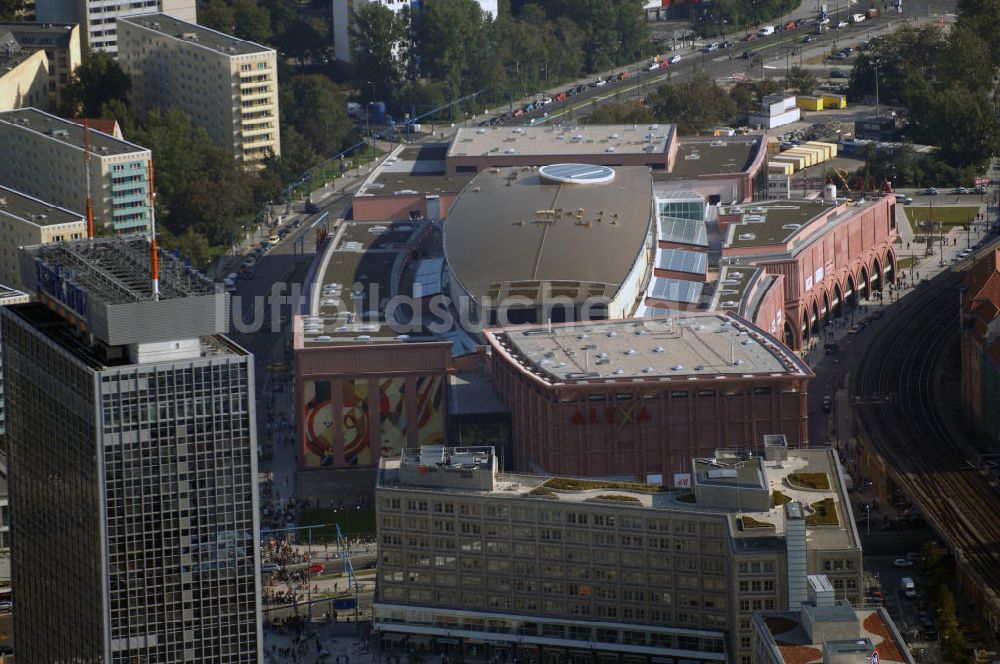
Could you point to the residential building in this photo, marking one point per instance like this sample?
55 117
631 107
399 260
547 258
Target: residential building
24 75
227 85
44 157
981 353
473 560
344 11
98 18
8 296
25 221
824 630
639 397
138 541
61 45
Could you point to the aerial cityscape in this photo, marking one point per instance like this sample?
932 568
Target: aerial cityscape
499 331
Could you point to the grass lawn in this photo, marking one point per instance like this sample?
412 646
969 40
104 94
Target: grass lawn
750 522
353 523
818 481
571 484
622 499
957 215
825 514
904 262
779 498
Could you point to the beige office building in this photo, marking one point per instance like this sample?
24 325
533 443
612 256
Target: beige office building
227 85
476 561
61 45
43 156
24 75
27 221
98 18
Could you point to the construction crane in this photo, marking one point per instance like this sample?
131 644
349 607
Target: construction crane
838 174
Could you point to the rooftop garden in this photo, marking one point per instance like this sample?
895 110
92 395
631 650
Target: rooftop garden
571 484
779 498
815 481
749 522
617 498
824 513
543 492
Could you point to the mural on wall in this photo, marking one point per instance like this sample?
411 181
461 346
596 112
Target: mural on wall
430 410
356 423
318 424
392 415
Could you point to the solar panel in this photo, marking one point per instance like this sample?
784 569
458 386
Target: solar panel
680 260
683 231
676 290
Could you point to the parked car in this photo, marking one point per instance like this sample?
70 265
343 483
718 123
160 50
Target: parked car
902 562
978 189
960 190
902 198
312 208
842 24
808 39
747 55
839 56
827 403
674 59
836 73
598 83
929 191
727 44
653 66
267 568
546 101
711 48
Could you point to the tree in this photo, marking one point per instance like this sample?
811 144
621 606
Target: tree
12 10
800 80
628 112
251 21
217 15
983 18
302 40
98 80
317 108
190 244
695 104
376 32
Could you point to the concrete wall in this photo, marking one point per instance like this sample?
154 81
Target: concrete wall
26 85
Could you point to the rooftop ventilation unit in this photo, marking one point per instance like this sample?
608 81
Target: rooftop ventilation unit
648 370
677 367
791 227
658 349
746 237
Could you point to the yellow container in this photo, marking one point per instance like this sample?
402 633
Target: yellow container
831 146
809 103
798 162
834 101
808 156
780 167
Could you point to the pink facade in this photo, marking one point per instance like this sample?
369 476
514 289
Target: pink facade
829 265
458 165
397 207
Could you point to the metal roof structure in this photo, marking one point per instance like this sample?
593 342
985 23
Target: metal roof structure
562 140
576 173
680 260
512 233
675 290
704 344
683 231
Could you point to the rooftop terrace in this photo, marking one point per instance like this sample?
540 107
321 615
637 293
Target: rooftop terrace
66 132
697 157
195 34
860 632
772 222
414 170
706 346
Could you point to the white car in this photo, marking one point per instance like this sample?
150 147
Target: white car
653 66
546 101
842 24
823 21
902 562
674 59
599 83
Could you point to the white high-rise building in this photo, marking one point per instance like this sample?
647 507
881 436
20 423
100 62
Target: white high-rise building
344 11
227 85
98 18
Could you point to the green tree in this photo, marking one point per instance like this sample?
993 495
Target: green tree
447 33
627 112
217 15
800 80
98 80
965 57
302 40
375 34
12 10
317 108
251 21
983 18
190 244
695 104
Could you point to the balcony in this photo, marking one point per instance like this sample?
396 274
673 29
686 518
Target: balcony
255 72
254 96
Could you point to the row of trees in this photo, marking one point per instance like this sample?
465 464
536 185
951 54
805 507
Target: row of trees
941 602
450 48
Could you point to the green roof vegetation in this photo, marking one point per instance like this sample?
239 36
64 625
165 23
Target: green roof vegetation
824 513
570 484
618 498
750 522
543 492
817 481
779 498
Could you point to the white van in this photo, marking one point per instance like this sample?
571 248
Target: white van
766 31
857 18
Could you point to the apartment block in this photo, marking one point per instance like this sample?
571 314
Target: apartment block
44 157
227 85
8 296
477 561
59 42
26 220
98 18
24 75
138 541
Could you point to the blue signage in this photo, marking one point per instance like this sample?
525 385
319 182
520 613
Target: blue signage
57 284
345 603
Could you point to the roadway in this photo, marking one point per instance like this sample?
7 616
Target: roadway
897 397
783 49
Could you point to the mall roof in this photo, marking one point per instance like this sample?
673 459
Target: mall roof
195 34
562 140
703 345
777 222
30 210
683 231
710 156
510 231
680 260
414 169
69 133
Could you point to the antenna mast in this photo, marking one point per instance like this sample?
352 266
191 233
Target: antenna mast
86 168
154 259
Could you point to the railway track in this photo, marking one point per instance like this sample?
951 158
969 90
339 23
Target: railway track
897 407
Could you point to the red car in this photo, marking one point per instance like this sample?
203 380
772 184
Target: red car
316 568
